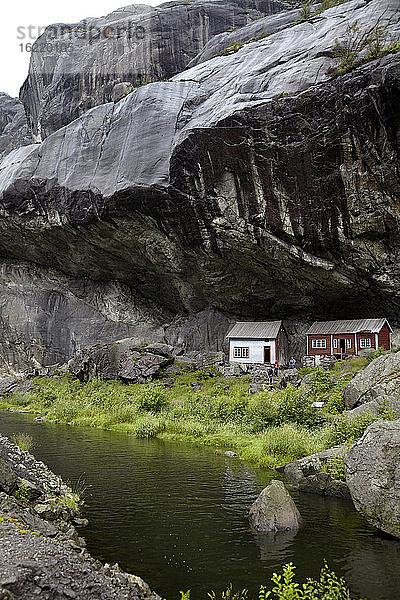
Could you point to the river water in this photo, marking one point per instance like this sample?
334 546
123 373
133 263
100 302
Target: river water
176 514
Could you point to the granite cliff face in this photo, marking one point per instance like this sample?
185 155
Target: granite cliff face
75 67
13 125
253 184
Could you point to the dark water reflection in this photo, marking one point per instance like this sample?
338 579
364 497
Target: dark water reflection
176 515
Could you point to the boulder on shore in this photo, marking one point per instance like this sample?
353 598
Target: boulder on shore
274 510
380 379
124 359
372 469
308 475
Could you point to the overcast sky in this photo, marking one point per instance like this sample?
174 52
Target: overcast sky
39 13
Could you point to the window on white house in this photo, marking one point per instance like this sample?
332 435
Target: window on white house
318 343
335 343
365 342
241 352
348 342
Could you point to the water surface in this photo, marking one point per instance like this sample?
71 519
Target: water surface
176 514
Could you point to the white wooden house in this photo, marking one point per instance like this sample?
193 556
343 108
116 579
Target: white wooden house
258 342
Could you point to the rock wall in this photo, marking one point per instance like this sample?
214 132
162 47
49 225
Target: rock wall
13 125
253 185
372 474
75 67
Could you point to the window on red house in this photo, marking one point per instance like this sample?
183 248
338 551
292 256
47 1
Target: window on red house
318 343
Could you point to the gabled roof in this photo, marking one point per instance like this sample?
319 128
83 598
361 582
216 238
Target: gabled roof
351 326
255 330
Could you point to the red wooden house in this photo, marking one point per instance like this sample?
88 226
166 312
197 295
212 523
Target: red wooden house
339 338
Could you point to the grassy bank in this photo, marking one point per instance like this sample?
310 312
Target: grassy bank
269 428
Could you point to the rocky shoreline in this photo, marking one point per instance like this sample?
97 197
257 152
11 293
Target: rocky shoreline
42 554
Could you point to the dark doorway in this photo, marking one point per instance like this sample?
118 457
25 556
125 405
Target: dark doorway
267 354
342 345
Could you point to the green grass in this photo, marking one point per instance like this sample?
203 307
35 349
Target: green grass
269 428
23 440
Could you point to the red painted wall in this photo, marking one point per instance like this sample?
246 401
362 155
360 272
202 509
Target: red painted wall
319 351
384 338
371 336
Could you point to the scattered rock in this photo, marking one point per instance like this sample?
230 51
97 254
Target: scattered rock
230 453
373 475
274 510
376 407
322 483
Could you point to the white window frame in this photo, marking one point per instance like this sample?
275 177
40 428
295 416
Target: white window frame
335 342
318 344
365 343
241 352
349 343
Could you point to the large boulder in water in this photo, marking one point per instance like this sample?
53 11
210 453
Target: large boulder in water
124 359
381 378
274 510
372 469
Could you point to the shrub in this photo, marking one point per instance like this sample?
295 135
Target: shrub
305 12
289 442
151 399
147 426
334 467
359 48
349 429
293 406
328 587
23 440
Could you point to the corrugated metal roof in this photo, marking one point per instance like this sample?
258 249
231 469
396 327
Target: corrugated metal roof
350 326
254 330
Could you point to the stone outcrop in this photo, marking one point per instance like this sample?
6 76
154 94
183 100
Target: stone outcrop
274 510
378 382
308 475
41 552
373 477
379 407
13 125
126 359
11 384
77 66
256 185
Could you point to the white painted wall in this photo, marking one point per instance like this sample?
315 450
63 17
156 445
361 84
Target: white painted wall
256 351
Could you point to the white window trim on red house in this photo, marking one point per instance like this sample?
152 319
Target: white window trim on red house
318 344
